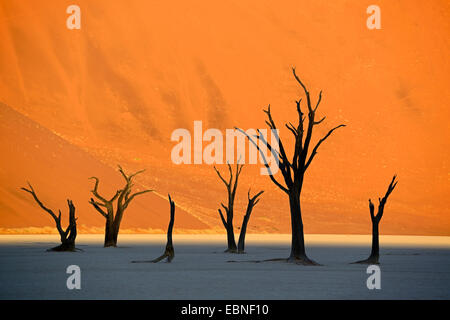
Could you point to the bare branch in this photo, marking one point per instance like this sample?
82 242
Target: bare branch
254 200
274 152
238 172
223 219
221 178
291 128
314 152
318 101
320 121
95 192
372 210
96 205
382 201
128 178
303 86
224 206
127 202
56 218
280 143
31 191
116 195
122 173
264 159
231 173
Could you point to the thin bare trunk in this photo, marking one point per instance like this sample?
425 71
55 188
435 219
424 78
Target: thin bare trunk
169 252
252 201
375 252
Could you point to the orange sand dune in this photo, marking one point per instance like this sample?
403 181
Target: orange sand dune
137 70
58 170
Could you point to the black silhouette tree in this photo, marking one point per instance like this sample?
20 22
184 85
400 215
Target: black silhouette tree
375 253
169 252
252 201
106 207
293 171
67 236
227 219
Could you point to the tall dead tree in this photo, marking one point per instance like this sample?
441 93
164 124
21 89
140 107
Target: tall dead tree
106 207
169 252
231 186
67 236
293 171
375 253
252 201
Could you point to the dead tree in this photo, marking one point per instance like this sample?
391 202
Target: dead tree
169 252
252 201
106 207
375 253
67 236
231 186
293 171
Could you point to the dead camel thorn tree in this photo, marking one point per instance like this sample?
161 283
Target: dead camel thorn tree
231 186
169 252
227 219
67 236
375 253
252 201
106 207
293 171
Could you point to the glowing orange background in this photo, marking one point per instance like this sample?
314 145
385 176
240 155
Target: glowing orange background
77 102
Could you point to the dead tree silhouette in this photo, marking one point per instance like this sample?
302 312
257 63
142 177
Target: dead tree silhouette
106 207
231 186
252 201
375 253
227 219
169 252
67 236
294 171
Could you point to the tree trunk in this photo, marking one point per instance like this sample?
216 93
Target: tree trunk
241 242
375 253
169 252
116 224
110 239
376 218
106 207
64 246
298 242
68 238
230 238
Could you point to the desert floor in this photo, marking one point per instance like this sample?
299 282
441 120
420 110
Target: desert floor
411 268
